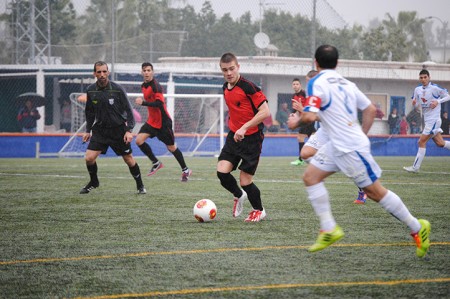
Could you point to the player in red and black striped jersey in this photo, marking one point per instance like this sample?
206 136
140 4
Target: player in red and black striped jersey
158 124
306 130
248 107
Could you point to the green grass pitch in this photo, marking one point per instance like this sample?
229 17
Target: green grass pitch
113 243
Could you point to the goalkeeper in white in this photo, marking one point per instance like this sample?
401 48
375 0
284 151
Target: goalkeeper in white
430 97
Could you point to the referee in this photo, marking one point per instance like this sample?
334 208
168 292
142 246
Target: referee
109 122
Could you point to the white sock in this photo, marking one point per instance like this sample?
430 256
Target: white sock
395 206
318 195
447 145
419 158
308 160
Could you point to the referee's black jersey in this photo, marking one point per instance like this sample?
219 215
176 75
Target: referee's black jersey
108 107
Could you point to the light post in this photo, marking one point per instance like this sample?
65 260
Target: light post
444 28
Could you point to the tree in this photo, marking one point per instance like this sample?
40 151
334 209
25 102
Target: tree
396 40
62 24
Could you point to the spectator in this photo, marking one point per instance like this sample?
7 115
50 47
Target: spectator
445 123
403 125
394 122
27 117
415 121
66 116
282 116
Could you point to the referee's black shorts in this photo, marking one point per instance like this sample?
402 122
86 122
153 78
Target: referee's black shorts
307 129
102 138
165 134
245 152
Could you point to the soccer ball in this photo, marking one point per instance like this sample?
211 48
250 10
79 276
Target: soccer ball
205 210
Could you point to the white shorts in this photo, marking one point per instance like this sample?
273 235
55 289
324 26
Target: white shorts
318 139
432 127
360 166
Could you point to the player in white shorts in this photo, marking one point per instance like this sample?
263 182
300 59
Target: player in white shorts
317 140
430 97
335 101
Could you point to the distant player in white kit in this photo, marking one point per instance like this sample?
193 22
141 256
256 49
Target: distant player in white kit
335 101
429 96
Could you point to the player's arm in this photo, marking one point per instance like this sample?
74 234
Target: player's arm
368 117
156 103
369 110
90 118
312 107
444 98
297 105
128 137
260 116
293 121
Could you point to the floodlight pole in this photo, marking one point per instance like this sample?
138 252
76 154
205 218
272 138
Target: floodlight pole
313 34
444 28
113 38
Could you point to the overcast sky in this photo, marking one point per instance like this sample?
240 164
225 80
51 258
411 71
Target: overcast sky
352 11
360 11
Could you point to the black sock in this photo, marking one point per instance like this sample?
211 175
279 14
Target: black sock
92 169
136 173
228 181
147 150
254 196
300 146
179 156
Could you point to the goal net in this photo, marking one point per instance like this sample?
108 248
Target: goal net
198 124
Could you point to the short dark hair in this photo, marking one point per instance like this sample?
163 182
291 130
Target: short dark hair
228 57
147 64
296 79
312 73
99 63
424 72
327 56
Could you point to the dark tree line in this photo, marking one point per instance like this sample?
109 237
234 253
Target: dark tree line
150 29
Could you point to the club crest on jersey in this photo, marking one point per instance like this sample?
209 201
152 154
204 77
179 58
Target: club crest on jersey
111 101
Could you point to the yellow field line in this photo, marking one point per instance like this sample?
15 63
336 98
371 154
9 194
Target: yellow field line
198 251
270 286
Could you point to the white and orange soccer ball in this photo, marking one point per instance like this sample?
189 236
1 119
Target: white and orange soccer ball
205 210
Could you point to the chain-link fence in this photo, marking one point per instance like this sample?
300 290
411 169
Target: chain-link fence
70 35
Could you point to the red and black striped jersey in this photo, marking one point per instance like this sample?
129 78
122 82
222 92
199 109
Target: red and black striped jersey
156 104
300 97
243 101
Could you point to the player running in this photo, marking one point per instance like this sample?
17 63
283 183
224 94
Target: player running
335 101
429 96
158 123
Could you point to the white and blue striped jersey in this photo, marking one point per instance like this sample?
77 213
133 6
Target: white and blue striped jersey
337 100
424 95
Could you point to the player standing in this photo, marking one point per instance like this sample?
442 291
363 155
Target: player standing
248 108
109 122
306 130
335 101
158 123
430 97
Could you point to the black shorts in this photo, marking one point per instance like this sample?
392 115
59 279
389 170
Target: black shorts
307 129
165 134
102 138
245 152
